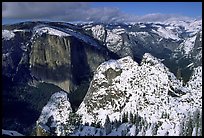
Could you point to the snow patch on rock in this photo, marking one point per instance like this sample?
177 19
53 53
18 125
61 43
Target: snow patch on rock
7 34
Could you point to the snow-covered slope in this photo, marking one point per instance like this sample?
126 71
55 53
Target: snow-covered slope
123 86
195 83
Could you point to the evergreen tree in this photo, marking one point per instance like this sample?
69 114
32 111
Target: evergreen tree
101 132
107 125
154 129
98 124
131 118
182 129
72 123
200 126
125 117
178 74
115 123
196 123
134 119
189 127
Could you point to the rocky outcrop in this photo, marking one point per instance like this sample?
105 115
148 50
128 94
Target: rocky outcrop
55 115
148 89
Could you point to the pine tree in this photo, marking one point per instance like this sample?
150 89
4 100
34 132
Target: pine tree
115 123
182 128
154 129
200 126
100 132
131 118
178 74
123 117
107 125
189 127
134 118
98 124
195 120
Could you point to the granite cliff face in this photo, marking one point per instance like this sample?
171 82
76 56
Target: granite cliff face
45 53
63 61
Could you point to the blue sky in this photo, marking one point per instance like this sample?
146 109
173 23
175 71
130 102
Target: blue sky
13 12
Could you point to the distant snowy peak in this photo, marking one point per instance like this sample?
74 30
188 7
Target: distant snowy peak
7 34
191 26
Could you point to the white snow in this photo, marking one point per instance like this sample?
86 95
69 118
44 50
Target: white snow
188 44
165 32
192 26
98 32
114 41
142 26
7 35
88 131
11 133
190 65
21 30
51 31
